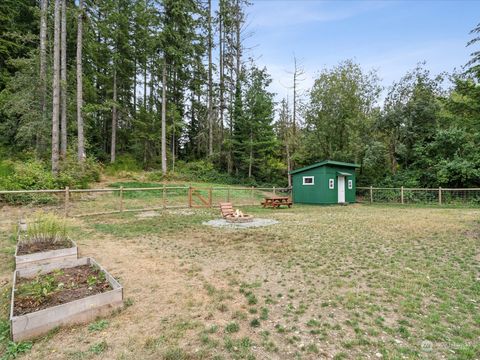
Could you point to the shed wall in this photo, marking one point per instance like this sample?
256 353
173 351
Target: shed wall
320 193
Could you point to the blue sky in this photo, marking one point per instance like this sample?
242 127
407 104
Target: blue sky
389 36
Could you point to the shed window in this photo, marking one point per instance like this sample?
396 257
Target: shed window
331 183
350 184
308 180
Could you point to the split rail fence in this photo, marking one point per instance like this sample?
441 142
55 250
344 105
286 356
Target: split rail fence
404 195
90 202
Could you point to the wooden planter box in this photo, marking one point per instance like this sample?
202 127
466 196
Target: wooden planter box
38 323
45 257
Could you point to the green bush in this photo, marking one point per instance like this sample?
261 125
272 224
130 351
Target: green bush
76 175
123 163
35 174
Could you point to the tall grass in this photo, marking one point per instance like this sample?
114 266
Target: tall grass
46 227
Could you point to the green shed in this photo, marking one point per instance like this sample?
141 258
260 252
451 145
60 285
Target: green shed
326 182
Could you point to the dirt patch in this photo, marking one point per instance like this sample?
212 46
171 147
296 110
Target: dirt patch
183 212
147 214
25 248
57 288
222 223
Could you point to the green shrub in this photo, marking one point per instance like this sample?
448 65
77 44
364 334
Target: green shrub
34 174
123 163
77 175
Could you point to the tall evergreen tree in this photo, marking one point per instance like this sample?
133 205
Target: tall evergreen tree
56 88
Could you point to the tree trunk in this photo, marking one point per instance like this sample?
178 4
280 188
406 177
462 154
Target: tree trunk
43 73
289 165
114 118
63 88
221 66
81 140
164 119
210 85
145 85
135 88
56 89
294 113
250 161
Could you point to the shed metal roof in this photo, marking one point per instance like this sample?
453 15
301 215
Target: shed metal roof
323 163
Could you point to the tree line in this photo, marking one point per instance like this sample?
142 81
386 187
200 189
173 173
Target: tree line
171 82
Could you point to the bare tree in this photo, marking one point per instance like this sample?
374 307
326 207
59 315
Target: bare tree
81 140
298 73
63 87
43 67
56 88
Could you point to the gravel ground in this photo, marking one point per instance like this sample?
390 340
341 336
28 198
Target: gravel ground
222 223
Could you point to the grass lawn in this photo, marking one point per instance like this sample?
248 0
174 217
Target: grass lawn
341 282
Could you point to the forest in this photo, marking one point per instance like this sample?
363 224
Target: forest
170 86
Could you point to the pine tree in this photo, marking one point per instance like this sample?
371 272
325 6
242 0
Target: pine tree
56 88
80 134
63 82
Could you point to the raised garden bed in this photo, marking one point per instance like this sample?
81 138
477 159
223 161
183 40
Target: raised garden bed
56 294
36 253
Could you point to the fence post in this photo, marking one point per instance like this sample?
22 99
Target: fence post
371 194
164 197
121 198
439 195
274 191
253 200
190 196
67 200
401 194
210 202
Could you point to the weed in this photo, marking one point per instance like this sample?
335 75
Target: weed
232 327
255 323
14 349
98 348
4 330
239 315
212 329
128 302
251 298
312 348
264 313
175 354
153 343
98 325
281 329
313 323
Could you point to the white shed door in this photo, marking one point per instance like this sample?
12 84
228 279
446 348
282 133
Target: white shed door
341 189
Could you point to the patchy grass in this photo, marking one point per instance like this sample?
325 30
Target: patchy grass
327 282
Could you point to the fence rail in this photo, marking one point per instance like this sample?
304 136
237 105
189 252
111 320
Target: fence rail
404 195
90 202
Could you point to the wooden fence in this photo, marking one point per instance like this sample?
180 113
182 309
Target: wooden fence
90 202
405 195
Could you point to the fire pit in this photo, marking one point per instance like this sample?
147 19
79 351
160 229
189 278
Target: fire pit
239 217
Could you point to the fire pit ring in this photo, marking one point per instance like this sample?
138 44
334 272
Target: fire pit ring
239 219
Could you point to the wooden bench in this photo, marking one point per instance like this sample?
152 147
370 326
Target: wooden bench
226 209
